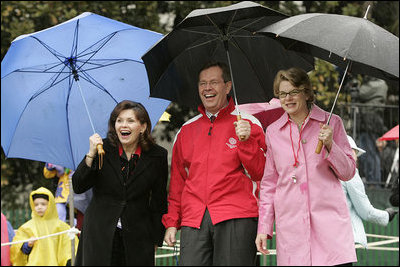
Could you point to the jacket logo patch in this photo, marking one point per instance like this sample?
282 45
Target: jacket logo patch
232 143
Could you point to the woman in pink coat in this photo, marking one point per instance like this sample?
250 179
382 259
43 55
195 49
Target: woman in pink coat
301 190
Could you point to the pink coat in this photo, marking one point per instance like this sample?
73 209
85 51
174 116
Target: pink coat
311 217
5 250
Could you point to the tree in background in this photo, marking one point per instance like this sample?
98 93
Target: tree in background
19 176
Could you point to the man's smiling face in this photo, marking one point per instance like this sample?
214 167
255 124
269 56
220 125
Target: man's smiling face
213 89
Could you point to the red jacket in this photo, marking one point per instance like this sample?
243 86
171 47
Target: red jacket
208 170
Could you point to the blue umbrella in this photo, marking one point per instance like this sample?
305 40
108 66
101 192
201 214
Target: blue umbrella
59 86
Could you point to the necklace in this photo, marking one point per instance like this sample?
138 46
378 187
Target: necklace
296 155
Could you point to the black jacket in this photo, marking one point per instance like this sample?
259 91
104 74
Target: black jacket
140 203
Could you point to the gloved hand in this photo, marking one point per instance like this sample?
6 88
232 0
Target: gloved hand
49 166
392 212
60 170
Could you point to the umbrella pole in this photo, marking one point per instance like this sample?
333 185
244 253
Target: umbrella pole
239 117
71 218
395 160
100 150
233 83
84 102
320 143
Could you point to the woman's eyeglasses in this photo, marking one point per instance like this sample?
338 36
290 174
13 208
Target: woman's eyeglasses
291 93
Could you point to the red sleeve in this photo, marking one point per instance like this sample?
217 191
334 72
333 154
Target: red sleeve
176 185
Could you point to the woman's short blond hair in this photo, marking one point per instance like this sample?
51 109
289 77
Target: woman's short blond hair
298 78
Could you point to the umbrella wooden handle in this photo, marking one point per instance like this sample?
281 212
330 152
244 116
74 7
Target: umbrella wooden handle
319 147
100 152
241 137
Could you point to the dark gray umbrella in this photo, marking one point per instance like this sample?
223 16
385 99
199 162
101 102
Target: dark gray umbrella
224 34
353 43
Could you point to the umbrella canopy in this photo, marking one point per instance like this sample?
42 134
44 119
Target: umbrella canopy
392 134
354 43
59 86
266 112
225 34
339 39
253 108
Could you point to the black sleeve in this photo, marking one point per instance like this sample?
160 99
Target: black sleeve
158 201
84 177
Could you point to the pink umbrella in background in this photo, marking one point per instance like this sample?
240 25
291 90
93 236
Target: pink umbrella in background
393 134
266 112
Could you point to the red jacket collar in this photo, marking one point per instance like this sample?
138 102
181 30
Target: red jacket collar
228 109
138 150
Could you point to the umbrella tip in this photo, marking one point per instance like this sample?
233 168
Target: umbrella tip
277 35
366 13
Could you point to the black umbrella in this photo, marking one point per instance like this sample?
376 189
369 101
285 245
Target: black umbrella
353 43
224 34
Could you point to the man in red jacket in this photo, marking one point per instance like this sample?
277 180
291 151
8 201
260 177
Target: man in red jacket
214 173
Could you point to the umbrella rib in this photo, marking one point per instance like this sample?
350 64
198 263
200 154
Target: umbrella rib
214 52
51 50
98 66
112 62
26 70
93 81
248 36
48 87
105 41
220 35
199 32
39 71
203 43
351 43
235 44
27 103
215 25
243 27
75 42
230 24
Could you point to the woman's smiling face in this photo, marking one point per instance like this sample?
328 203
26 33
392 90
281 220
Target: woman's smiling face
294 105
128 127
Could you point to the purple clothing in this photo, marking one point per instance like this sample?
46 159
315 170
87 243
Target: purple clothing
26 249
311 217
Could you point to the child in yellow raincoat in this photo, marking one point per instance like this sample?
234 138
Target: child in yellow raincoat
51 251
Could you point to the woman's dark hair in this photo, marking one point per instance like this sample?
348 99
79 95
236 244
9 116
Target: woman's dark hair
145 139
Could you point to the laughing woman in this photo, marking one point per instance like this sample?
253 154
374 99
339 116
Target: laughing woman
122 224
301 190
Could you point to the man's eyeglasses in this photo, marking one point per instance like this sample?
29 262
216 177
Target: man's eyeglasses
211 83
291 93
